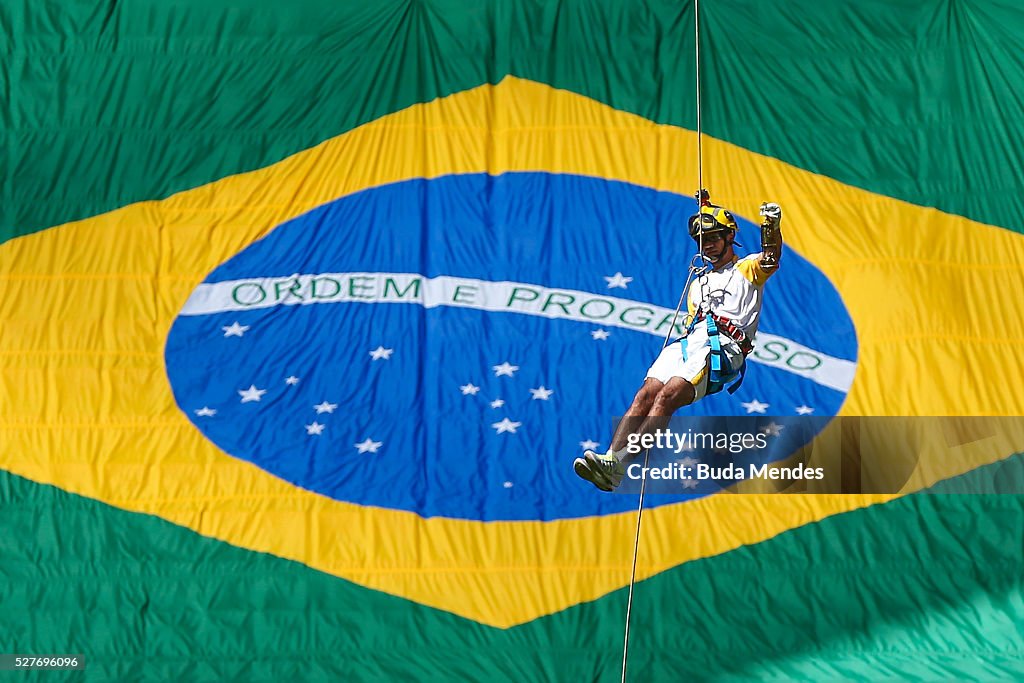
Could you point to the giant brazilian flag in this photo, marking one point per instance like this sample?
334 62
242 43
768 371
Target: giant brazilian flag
308 306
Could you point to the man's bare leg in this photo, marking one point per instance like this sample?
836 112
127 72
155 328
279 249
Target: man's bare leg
652 409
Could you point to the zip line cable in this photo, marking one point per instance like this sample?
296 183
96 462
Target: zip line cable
700 258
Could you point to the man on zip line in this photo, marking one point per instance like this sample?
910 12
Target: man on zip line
724 305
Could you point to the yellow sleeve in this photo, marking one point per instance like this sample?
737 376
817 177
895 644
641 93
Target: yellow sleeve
752 270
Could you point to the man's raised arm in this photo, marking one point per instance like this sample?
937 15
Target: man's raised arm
771 236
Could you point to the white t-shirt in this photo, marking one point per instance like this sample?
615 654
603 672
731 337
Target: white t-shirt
735 292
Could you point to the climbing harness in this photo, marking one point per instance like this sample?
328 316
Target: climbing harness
730 330
721 372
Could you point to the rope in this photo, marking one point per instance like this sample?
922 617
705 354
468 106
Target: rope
696 63
703 276
643 481
705 293
640 506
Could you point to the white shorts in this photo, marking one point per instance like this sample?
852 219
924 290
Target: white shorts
688 359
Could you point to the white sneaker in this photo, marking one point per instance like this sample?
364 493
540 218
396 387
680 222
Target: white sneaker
601 470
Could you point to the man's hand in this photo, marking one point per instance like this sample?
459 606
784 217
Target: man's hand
772 213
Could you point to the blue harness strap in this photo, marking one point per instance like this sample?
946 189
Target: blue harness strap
721 371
